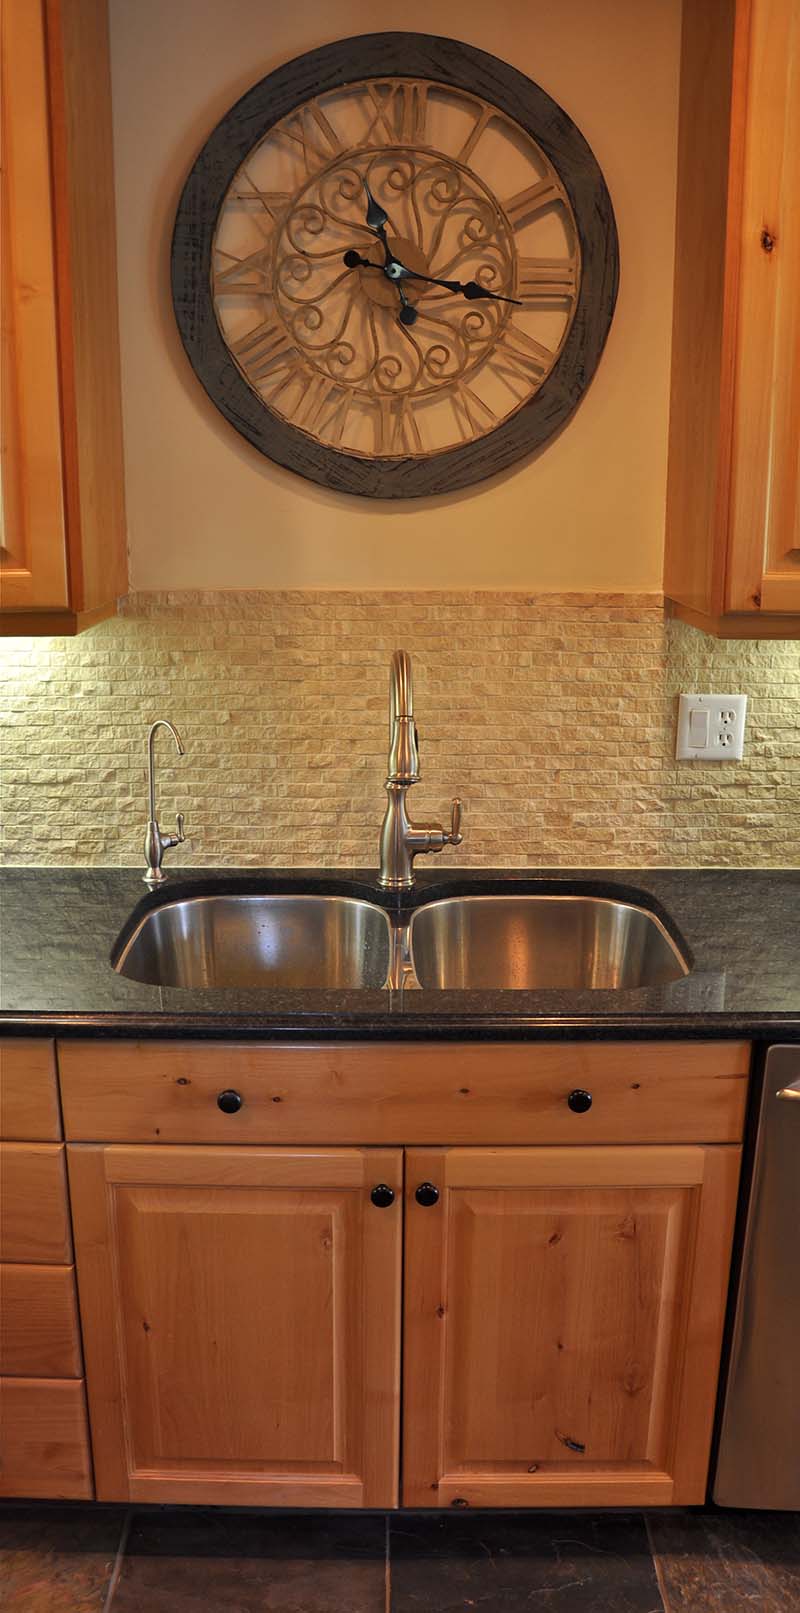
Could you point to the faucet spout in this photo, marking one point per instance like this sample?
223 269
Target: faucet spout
403 736
161 722
401 686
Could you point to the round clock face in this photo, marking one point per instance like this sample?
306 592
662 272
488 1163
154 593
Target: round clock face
313 237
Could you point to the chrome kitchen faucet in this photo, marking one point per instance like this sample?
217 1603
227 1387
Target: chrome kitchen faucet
402 840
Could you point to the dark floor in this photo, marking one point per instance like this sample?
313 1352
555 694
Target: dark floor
74 1559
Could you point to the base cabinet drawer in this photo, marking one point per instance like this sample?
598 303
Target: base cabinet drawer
29 1110
44 1443
378 1093
34 1215
39 1322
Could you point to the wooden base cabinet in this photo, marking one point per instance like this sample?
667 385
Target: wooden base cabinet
241 1317
562 1291
564 1312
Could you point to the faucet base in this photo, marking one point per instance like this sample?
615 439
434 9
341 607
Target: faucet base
395 884
154 876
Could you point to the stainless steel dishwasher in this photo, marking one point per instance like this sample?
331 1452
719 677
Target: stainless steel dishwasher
758 1464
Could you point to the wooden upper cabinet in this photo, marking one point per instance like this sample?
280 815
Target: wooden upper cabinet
62 543
733 500
241 1318
563 1321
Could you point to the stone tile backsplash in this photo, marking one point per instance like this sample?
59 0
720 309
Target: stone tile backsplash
553 716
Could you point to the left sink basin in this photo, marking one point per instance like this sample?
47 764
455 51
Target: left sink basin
327 942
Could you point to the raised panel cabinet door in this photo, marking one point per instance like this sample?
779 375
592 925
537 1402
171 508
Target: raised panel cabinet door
241 1318
764 563
563 1322
33 565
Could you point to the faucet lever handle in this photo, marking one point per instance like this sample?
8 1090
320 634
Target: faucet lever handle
455 836
181 835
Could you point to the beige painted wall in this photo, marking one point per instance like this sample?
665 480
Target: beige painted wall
205 509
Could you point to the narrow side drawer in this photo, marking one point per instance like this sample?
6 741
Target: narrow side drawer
39 1322
29 1110
44 1441
34 1219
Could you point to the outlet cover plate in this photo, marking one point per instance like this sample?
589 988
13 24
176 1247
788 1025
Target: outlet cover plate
711 727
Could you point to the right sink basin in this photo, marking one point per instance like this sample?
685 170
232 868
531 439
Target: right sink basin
541 942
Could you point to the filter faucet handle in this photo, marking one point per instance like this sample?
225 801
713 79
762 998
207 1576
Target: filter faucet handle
455 836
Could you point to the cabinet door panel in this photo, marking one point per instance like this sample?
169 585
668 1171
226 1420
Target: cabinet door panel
32 558
562 1341
241 1316
764 565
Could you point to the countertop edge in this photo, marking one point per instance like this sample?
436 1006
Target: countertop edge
627 1027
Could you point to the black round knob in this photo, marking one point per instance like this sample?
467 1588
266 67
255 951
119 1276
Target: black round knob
382 1196
229 1101
579 1101
427 1194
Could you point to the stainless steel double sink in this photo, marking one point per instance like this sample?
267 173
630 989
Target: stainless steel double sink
522 942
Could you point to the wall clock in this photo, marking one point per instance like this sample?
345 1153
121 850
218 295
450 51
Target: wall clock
394 265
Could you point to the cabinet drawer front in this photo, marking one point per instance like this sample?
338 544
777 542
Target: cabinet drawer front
38 1322
28 1091
34 1219
44 1440
410 1093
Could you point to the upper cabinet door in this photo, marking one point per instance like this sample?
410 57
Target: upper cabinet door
563 1320
732 556
62 543
33 562
240 1311
764 567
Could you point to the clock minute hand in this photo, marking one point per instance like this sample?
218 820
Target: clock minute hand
466 288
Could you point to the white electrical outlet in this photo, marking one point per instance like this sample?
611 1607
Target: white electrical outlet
711 727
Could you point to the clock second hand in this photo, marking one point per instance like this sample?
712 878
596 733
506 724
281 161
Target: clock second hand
396 271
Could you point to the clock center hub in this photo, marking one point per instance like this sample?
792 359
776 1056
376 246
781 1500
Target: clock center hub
380 289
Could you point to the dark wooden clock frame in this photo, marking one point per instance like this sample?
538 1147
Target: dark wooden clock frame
444 61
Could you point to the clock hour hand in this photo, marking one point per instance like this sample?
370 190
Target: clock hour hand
377 220
354 260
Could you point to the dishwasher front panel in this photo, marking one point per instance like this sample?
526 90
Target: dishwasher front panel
758 1463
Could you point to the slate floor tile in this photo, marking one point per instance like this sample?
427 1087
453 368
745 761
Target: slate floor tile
57 1559
728 1562
256 1562
518 1563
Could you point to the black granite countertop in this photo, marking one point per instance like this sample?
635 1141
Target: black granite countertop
740 930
